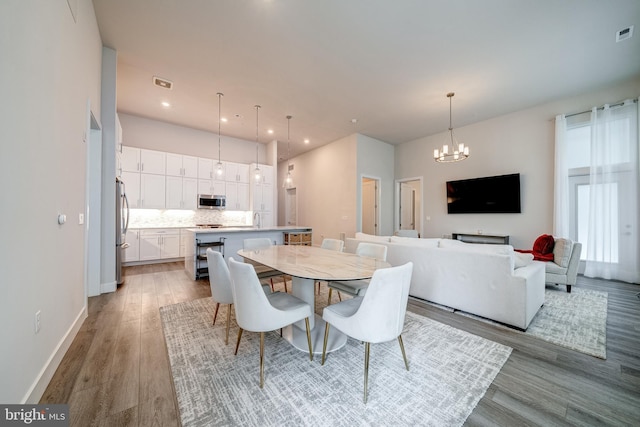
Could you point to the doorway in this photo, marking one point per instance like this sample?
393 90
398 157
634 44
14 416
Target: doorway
409 206
370 213
291 207
92 214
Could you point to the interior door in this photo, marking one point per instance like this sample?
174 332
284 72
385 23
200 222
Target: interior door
407 207
291 207
369 206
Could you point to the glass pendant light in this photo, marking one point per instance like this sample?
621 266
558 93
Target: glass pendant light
288 181
219 166
257 174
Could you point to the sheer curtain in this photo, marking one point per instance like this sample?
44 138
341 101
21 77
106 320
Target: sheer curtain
613 238
561 187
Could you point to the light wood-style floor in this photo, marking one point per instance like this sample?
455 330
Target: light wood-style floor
117 371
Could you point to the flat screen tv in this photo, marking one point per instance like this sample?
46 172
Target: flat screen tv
491 194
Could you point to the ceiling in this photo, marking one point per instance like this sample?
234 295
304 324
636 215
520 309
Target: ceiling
378 67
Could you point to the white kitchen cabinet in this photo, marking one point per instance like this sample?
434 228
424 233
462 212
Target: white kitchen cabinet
205 168
237 172
159 244
180 165
237 196
132 253
130 159
152 191
214 169
211 187
181 193
152 161
262 194
132 188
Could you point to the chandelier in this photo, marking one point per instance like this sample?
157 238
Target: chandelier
451 151
288 182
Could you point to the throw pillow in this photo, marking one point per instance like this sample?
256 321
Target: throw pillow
562 252
544 244
522 259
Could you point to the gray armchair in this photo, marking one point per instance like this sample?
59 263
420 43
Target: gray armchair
563 270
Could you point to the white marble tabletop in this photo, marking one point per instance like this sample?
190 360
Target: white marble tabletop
310 262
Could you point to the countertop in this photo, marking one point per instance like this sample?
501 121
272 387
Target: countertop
246 228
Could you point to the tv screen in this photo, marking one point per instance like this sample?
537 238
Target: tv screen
492 194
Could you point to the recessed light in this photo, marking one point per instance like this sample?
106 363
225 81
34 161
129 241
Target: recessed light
306 140
165 104
224 120
354 121
270 131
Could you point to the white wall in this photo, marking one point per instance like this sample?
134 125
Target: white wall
520 142
50 69
325 180
155 135
375 160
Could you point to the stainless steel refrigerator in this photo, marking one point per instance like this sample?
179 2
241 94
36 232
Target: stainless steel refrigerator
122 223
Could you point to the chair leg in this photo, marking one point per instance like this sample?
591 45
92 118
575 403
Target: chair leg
404 355
329 300
215 314
324 346
366 369
306 323
238 342
261 359
339 296
284 279
226 337
568 289
272 288
318 283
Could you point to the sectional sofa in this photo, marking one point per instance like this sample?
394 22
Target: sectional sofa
490 281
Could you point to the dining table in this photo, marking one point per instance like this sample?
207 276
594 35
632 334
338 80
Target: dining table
306 265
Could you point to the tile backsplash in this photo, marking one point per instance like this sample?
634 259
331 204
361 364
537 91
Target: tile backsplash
159 218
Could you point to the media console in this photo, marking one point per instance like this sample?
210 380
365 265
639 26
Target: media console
496 239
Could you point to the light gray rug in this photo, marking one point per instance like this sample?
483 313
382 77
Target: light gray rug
450 370
576 320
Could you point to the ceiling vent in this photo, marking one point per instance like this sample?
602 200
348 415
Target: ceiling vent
624 34
164 83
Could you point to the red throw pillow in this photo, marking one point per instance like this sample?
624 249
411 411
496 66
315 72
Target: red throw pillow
544 245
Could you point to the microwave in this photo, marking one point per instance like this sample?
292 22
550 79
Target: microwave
207 201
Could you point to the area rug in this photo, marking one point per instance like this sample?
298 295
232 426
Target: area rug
450 371
576 320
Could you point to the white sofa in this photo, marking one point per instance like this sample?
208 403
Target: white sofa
490 281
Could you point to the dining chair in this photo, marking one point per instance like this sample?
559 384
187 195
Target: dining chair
263 271
332 245
376 317
257 313
220 283
359 287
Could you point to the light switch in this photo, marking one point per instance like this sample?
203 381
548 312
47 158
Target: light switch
80 218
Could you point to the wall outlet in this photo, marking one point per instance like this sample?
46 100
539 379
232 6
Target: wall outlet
37 322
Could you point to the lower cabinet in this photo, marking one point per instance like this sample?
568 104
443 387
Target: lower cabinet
159 244
132 253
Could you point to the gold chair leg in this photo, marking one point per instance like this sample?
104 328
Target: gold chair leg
339 296
306 323
261 359
226 337
329 300
284 279
366 369
404 355
215 314
238 342
272 288
326 338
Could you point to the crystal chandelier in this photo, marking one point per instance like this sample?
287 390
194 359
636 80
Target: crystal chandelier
451 151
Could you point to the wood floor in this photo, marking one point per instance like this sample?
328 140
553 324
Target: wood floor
117 371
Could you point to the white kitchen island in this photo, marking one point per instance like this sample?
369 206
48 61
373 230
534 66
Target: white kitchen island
227 240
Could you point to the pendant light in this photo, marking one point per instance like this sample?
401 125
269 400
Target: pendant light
219 166
257 174
288 181
457 151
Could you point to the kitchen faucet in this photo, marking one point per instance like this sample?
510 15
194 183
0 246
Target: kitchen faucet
256 219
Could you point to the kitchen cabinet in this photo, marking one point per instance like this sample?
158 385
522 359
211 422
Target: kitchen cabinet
159 244
132 253
179 165
132 188
237 196
152 161
236 172
152 191
205 168
130 159
212 187
262 196
181 193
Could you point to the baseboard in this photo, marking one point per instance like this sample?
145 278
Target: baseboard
108 287
44 377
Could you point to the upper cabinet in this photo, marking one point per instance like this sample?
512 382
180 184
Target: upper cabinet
179 165
237 172
130 160
152 161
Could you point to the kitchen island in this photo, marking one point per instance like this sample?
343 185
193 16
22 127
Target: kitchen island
228 241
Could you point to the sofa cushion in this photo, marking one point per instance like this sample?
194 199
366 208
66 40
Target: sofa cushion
521 259
477 247
562 252
544 244
371 238
553 268
412 241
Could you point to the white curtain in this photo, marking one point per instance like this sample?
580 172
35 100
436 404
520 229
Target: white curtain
613 238
561 187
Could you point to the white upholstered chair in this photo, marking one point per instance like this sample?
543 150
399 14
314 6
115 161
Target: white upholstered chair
220 283
376 317
257 313
263 271
332 245
359 287
563 270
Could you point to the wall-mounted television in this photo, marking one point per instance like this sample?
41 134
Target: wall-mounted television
491 194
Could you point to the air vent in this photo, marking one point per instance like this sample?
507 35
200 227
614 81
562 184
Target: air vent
164 83
625 34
